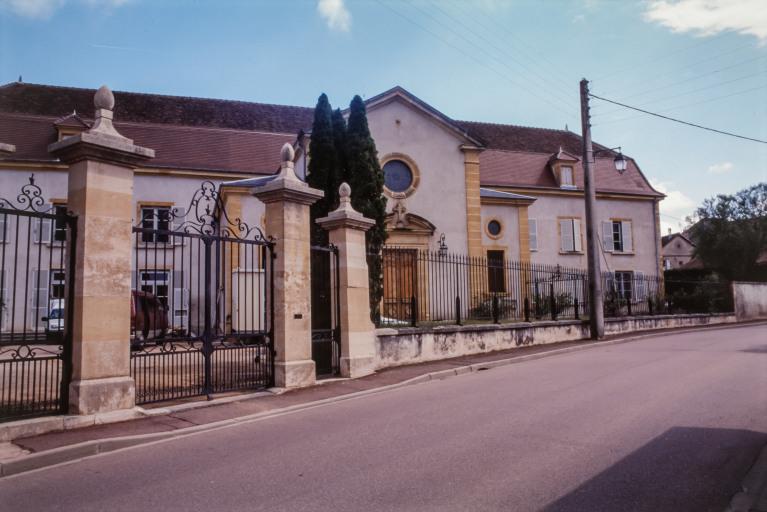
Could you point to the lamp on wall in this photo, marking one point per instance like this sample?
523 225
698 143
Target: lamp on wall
442 245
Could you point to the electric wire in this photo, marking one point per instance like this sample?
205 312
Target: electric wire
722 132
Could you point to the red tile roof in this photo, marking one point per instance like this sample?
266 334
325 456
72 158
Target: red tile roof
223 135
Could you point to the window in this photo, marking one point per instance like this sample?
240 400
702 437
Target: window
60 224
155 282
398 177
623 284
617 236
494 229
570 235
58 283
496 278
156 219
533 229
566 177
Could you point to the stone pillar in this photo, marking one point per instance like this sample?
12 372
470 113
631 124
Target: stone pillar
101 164
287 201
347 228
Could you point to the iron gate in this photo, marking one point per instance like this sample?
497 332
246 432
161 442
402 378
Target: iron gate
201 309
36 269
326 334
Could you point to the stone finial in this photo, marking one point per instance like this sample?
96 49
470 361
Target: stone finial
287 153
345 199
104 99
287 171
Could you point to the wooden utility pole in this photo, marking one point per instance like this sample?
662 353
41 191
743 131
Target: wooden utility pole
596 310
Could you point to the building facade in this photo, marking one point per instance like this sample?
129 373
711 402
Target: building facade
484 190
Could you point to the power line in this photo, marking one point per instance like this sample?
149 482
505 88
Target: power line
470 56
677 107
678 120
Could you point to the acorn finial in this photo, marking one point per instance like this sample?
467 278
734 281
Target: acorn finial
344 191
104 99
287 153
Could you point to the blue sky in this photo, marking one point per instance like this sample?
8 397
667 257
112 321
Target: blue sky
515 62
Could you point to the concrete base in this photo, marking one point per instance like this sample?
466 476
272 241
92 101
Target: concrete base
354 367
95 396
295 374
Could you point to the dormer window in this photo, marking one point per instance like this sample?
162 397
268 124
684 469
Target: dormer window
566 176
70 125
562 165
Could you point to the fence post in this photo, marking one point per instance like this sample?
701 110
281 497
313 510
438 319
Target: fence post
649 305
458 310
100 185
347 229
577 307
628 304
413 311
552 302
527 309
496 310
287 200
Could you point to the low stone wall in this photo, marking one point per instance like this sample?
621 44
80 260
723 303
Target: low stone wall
395 347
750 300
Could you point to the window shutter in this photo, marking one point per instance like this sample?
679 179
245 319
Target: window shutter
41 230
577 235
607 236
3 228
566 235
38 285
627 235
640 292
179 217
179 305
533 229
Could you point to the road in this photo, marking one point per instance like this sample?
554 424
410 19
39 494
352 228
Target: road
669 423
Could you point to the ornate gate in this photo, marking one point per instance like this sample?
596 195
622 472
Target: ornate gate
326 335
201 309
36 268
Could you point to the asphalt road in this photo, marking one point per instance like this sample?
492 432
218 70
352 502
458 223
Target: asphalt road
669 423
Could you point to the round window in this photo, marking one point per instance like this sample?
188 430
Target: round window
397 176
494 227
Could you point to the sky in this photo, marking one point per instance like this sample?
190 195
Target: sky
513 61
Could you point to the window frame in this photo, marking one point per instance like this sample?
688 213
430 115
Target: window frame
496 274
576 250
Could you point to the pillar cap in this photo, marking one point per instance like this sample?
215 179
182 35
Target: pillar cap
345 216
102 141
287 186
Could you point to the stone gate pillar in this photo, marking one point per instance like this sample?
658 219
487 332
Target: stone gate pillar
347 228
101 164
287 201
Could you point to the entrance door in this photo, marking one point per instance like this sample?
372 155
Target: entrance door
400 279
326 342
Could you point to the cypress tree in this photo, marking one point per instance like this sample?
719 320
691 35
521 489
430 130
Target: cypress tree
322 167
367 181
339 141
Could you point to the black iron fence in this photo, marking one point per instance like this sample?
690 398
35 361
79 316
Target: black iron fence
422 287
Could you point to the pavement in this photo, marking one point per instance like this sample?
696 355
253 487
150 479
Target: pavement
673 422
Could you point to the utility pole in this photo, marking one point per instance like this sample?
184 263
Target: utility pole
596 310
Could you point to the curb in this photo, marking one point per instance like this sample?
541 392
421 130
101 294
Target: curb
76 452
753 487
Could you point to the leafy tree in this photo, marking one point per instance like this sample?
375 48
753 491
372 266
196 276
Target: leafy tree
367 181
323 165
731 233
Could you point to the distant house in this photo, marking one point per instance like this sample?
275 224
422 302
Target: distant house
677 250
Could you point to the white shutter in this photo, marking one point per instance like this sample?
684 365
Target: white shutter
566 235
3 228
607 236
41 230
38 288
627 235
610 284
179 305
179 217
640 290
577 235
533 229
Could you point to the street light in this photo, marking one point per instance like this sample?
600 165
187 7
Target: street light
596 306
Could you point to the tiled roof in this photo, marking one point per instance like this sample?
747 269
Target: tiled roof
497 194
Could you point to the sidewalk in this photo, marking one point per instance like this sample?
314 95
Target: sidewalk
193 416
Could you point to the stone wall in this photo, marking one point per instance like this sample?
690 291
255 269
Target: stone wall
395 347
750 300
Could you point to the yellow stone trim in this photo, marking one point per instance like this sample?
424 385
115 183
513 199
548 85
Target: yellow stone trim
572 193
524 234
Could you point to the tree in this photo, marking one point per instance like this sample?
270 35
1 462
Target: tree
339 142
367 181
731 233
322 172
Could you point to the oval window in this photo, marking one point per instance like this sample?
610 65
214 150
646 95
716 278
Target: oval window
494 227
397 176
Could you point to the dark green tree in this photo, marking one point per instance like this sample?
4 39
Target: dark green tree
367 181
731 233
323 164
339 141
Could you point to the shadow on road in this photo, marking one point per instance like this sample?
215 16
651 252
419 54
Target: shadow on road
684 469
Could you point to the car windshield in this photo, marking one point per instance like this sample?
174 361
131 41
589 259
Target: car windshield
56 314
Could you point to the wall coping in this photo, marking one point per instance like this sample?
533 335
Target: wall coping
448 329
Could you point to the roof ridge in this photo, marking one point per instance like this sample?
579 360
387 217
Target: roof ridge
201 98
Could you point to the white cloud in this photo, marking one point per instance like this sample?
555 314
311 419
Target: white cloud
721 168
710 17
579 18
335 14
674 208
44 9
